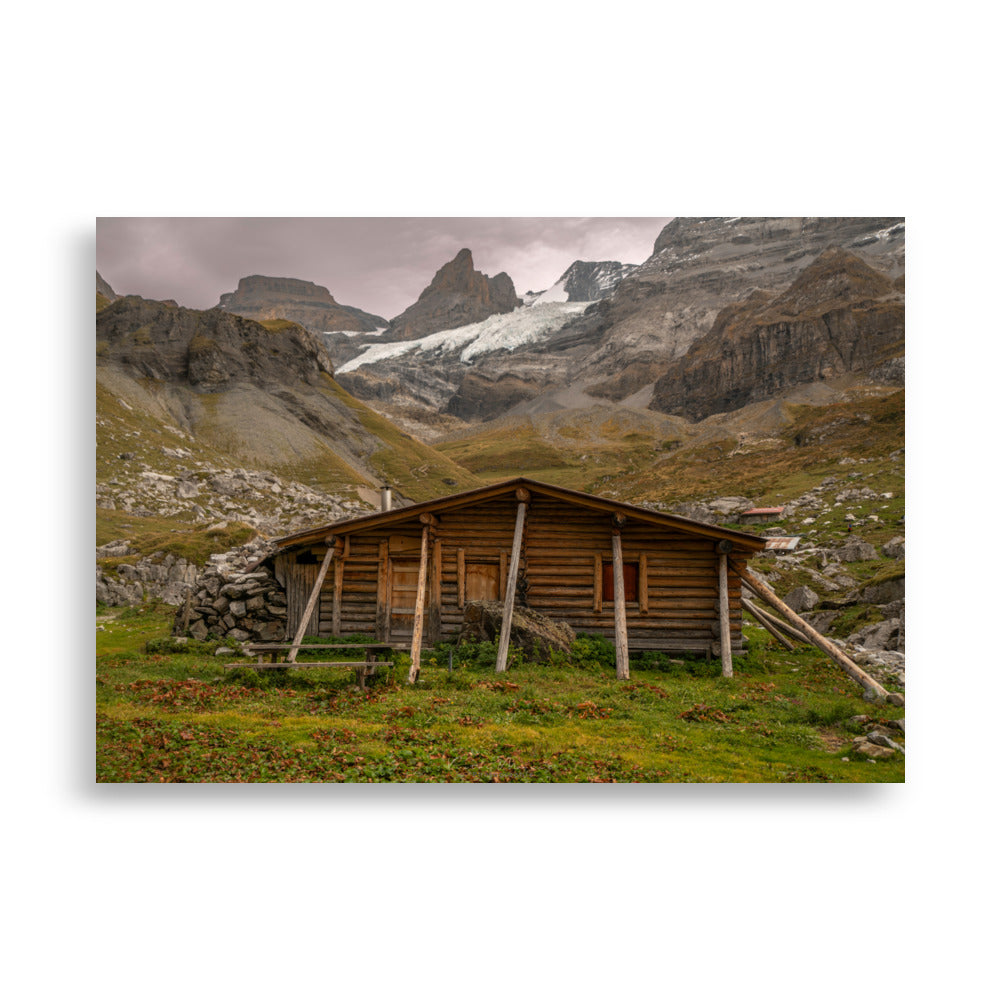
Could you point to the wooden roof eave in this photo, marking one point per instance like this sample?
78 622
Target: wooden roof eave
742 541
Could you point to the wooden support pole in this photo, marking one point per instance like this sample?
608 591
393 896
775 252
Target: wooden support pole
872 687
756 612
724 637
460 561
418 611
338 595
434 611
313 598
511 592
382 593
598 584
783 627
621 631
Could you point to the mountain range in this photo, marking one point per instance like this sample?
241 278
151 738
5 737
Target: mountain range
724 314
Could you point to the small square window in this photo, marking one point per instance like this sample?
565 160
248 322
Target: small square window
630 577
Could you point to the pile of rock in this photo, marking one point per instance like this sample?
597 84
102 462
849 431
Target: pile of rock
234 604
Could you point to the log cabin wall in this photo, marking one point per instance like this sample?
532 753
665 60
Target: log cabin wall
672 602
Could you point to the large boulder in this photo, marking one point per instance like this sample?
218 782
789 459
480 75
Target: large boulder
535 634
802 599
856 550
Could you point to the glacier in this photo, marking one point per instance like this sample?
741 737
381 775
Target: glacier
502 332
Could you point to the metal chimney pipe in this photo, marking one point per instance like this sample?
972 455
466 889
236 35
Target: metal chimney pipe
386 498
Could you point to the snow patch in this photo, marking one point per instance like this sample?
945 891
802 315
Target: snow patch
557 293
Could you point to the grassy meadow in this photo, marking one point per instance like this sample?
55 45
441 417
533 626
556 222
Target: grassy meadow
165 716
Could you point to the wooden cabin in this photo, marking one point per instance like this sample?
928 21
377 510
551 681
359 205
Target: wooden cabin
559 551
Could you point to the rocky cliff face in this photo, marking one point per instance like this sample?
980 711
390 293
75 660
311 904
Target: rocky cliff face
699 266
838 316
208 349
457 296
310 305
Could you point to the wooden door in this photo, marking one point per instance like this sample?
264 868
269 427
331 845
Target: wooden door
482 581
301 580
405 573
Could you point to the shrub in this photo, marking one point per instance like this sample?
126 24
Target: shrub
594 652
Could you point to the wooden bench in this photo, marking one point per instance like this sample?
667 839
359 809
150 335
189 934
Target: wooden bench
363 669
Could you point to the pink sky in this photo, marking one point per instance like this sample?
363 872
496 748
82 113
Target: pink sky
380 265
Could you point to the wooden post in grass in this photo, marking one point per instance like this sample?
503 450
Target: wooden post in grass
523 496
621 630
418 611
759 587
725 639
313 598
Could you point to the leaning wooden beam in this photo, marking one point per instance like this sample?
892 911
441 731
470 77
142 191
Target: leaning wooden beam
511 592
621 631
756 612
313 598
842 660
724 637
784 627
418 611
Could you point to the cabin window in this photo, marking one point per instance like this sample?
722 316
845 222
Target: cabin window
306 558
630 576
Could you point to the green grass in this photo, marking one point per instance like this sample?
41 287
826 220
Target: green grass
181 717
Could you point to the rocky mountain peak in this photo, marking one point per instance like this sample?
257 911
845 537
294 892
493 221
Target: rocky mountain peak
312 306
587 281
457 295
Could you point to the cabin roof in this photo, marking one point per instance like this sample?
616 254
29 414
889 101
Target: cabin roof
740 539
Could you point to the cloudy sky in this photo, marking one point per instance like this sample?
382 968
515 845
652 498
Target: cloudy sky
380 265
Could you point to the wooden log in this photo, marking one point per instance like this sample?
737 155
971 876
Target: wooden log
418 611
508 601
751 610
727 649
187 610
777 623
598 584
643 584
621 632
313 598
461 579
759 587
